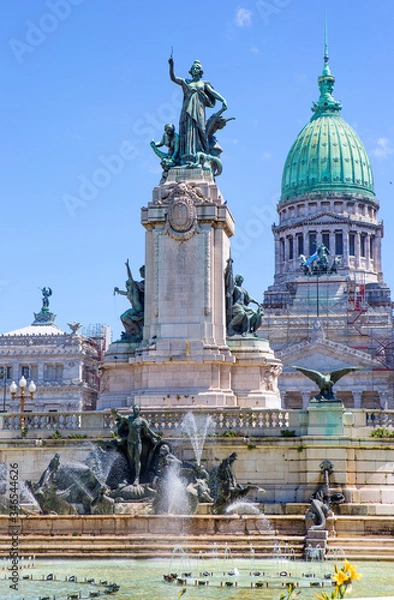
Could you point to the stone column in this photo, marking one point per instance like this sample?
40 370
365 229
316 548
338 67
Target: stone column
277 254
357 398
332 244
378 254
367 252
40 371
305 398
384 400
357 248
345 243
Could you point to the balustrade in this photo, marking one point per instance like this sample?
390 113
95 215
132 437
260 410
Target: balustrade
167 422
269 422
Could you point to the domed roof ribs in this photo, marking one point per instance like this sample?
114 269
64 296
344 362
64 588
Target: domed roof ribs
327 155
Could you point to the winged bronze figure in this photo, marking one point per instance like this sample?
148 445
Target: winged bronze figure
326 381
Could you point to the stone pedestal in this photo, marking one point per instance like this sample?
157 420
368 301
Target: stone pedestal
255 373
187 244
184 360
315 544
326 417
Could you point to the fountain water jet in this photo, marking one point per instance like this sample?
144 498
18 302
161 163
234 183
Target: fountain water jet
101 461
197 428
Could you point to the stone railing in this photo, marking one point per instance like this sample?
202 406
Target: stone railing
169 422
269 422
379 418
39 423
226 420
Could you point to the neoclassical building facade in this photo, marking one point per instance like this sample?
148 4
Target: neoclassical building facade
64 366
341 316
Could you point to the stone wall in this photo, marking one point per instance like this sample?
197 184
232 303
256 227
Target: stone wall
287 468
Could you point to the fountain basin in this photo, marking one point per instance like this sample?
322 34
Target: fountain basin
144 578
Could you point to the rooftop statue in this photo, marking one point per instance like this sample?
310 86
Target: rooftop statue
321 258
45 316
241 318
133 318
326 381
46 293
318 262
198 146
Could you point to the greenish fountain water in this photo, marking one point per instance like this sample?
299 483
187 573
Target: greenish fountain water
143 579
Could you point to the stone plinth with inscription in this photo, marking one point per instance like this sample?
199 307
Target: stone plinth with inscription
184 359
255 373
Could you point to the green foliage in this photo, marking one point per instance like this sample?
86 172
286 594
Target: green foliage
24 432
382 432
342 578
291 592
77 436
287 433
55 436
251 446
230 434
300 448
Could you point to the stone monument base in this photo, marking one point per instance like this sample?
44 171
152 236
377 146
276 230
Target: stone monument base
189 374
326 417
168 374
255 373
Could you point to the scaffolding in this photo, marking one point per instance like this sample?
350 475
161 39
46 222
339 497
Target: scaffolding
348 313
100 336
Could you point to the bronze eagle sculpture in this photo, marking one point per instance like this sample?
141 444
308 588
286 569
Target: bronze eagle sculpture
326 381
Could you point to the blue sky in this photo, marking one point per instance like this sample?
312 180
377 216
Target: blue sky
85 85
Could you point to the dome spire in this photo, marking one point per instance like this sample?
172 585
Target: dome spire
326 102
326 68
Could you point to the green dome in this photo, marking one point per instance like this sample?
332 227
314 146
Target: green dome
327 155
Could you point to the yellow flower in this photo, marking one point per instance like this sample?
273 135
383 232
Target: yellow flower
352 571
340 578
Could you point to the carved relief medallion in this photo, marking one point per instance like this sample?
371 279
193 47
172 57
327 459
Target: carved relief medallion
181 213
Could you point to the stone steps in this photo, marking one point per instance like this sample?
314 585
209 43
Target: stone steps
360 537
364 548
150 546
370 541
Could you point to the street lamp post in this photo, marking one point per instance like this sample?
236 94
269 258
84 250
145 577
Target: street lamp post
21 397
3 374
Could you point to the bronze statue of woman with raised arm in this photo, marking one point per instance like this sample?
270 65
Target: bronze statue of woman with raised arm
197 95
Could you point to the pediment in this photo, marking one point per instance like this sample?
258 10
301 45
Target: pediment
324 356
321 218
325 217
